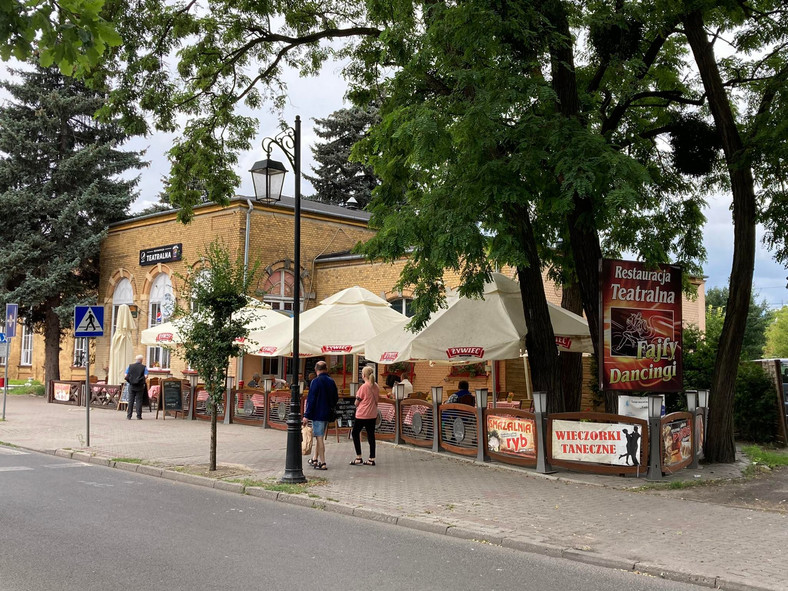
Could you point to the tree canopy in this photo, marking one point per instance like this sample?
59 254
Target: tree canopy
777 335
70 34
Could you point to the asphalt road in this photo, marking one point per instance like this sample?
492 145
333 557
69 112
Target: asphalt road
68 525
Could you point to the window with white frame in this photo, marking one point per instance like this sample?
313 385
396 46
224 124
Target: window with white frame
161 306
80 351
403 305
123 294
202 278
26 357
278 290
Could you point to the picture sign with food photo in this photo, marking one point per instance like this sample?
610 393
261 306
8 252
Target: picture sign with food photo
511 435
676 443
602 443
641 327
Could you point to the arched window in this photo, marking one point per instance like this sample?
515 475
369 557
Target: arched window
160 308
403 305
278 290
123 294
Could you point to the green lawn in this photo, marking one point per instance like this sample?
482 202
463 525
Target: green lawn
772 458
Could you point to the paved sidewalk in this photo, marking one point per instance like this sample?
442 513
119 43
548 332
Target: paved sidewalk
589 518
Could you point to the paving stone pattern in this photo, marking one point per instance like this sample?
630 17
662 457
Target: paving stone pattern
581 517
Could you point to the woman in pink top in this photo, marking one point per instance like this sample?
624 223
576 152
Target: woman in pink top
366 416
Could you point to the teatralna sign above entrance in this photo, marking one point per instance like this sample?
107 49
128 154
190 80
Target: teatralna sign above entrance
161 254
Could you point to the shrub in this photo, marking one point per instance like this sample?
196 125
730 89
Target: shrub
754 405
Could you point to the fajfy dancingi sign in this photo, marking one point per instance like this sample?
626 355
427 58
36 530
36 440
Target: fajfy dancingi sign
641 327
161 254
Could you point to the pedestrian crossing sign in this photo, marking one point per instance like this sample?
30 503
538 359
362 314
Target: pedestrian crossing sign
88 321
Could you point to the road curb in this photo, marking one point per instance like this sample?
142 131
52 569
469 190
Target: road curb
517 544
595 559
680 576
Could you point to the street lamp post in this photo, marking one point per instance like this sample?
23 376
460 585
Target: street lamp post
268 177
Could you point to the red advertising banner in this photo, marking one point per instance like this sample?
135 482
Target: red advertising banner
641 327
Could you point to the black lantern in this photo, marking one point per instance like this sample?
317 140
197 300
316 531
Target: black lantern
268 177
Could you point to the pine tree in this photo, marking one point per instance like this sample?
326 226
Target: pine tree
337 178
59 189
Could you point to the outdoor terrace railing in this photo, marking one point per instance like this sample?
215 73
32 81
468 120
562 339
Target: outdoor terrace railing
249 407
386 425
459 430
278 406
201 410
66 392
417 423
105 395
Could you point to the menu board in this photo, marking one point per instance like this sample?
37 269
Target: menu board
171 395
345 411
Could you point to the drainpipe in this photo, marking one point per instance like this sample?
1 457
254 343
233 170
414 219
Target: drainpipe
240 363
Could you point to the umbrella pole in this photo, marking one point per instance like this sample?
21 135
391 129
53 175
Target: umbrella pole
494 375
344 370
527 370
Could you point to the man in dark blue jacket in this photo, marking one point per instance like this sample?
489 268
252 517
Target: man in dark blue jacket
320 404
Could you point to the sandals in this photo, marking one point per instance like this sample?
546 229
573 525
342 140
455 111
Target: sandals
357 462
319 466
369 463
312 462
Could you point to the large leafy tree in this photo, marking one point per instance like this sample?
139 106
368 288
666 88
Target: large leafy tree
336 178
212 322
59 190
579 130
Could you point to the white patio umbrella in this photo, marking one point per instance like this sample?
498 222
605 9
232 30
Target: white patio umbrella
340 325
164 334
121 350
475 330
258 316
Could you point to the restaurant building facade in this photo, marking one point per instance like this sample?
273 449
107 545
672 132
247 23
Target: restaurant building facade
143 258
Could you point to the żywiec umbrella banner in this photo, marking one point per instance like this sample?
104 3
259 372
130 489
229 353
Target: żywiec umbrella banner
641 327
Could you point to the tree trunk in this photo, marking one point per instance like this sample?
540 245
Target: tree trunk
52 336
583 236
214 411
720 445
571 363
540 340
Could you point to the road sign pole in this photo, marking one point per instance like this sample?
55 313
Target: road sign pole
87 393
5 383
88 323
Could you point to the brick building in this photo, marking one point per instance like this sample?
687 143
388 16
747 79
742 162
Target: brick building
142 259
